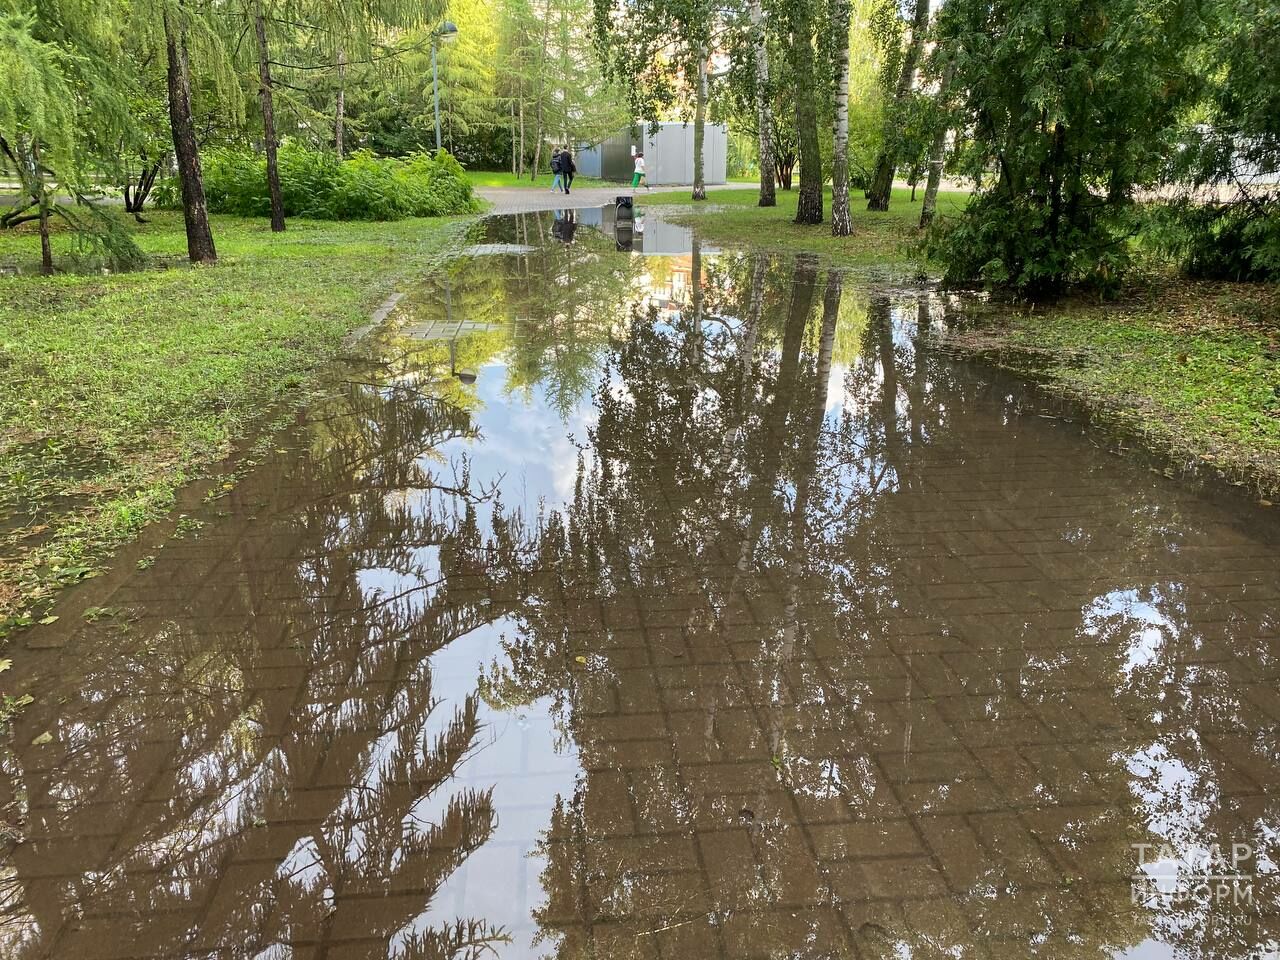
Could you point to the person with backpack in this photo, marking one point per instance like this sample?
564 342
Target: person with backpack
557 180
567 167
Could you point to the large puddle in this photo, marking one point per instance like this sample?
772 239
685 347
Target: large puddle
643 601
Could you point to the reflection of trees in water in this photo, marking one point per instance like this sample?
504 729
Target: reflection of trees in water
757 618
308 799
558 306
722 511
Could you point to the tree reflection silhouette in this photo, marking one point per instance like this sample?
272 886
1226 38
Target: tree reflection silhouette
307 800
855 660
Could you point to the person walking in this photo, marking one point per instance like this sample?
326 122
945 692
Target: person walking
567 167
639 177
557 180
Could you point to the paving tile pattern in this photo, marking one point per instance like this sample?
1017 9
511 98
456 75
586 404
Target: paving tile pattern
859 664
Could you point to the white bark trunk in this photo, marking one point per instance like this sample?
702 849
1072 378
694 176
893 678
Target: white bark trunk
764 118
841 225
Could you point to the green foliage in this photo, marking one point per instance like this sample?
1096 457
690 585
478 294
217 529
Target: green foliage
1232 152
652 48
1073 105
118 389
1007 241
35 84
513 64
318 186
1218 241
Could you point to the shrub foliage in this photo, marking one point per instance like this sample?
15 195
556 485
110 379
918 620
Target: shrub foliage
319 186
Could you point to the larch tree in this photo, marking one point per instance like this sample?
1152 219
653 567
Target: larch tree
64 108
184 26
346 32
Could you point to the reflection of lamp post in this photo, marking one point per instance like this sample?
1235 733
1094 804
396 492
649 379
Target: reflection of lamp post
447 33
465 377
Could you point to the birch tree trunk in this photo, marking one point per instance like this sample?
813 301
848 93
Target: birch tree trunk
809 203
841 225
764 118
339 119
268 121
937 157
882 181
700 130
195 210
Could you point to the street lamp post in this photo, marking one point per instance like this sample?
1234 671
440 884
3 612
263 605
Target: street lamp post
447 33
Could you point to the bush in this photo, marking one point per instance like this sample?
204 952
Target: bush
318 186
1008 242
1228 241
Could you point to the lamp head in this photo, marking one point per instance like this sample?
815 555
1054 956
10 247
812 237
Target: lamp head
448 32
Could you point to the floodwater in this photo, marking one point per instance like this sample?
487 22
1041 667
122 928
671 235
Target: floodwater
639 600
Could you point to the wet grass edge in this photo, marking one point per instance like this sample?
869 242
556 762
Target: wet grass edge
1196 391
296 298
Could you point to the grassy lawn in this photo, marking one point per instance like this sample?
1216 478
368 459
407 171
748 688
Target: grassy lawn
1190 370
731 215
114 390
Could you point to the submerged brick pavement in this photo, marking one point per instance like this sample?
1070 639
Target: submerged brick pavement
809 645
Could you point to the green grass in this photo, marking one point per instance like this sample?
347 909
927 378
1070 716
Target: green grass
884 239
500 178
114 390
1192 371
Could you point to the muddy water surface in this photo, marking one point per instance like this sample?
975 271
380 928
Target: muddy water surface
640 600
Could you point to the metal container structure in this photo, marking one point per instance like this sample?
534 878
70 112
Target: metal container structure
668 154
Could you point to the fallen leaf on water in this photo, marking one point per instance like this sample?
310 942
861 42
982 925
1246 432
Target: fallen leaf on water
49 619
581 659
41 740
1264 503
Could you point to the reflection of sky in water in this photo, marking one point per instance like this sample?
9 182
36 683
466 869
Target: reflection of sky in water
525 445
520 755
1178 798
524 442
1149 628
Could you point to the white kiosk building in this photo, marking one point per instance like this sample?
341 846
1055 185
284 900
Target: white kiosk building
668 154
